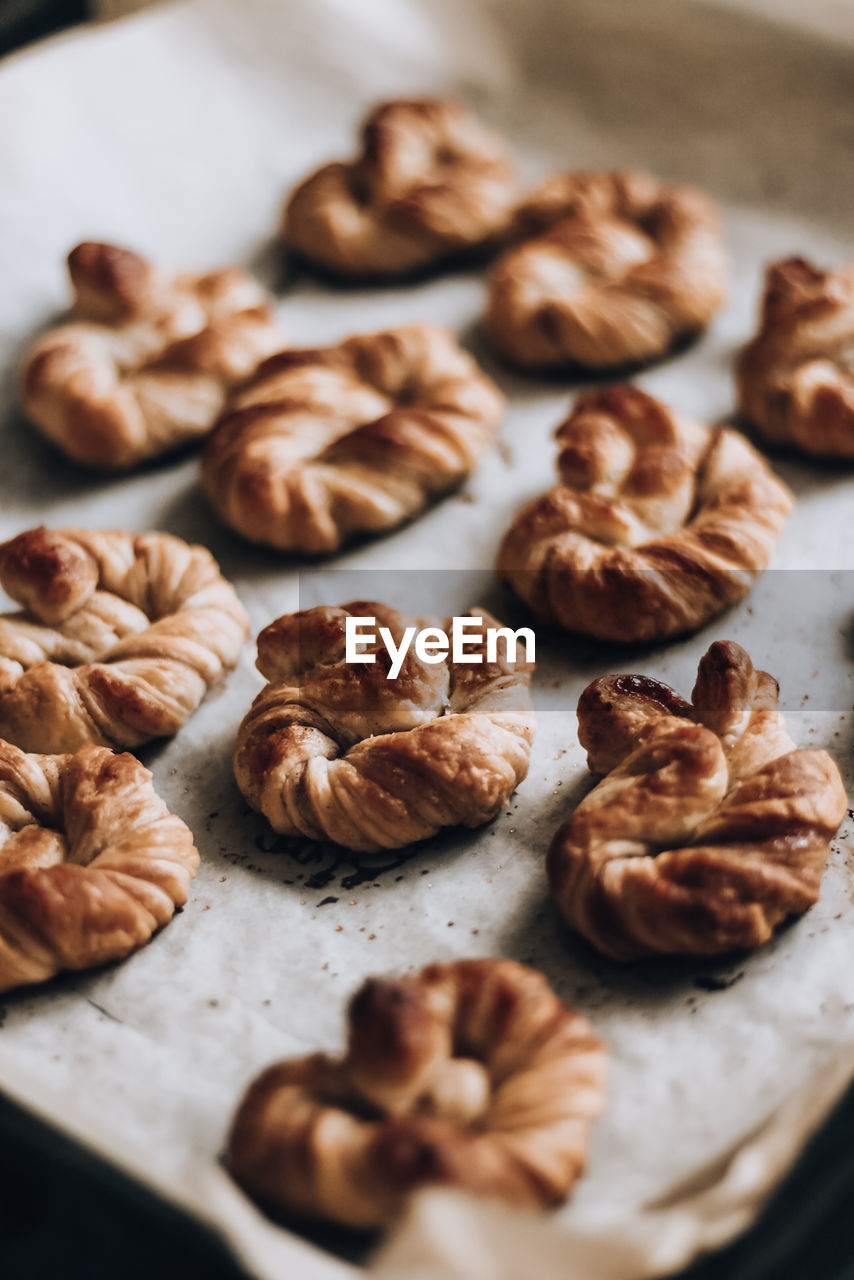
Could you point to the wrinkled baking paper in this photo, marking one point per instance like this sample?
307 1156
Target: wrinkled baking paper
177 133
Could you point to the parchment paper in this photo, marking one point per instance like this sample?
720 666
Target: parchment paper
177 132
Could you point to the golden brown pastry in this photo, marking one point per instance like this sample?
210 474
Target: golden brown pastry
659 524
91 861
337 751
470 1075
795 379
324 444
709 828
119 638
430 184
147 361
610 269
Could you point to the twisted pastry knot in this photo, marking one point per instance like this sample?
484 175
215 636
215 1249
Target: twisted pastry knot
119 638
325 444
659 524
337 751
795 380
709 829
470 1075
91 861
612 269
148 361
430 183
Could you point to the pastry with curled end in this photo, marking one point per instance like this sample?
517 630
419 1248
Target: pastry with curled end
147 361
92 862
118 639
795 379
709 828
322 445
659 522
337 750
431 183
471 1075
609 269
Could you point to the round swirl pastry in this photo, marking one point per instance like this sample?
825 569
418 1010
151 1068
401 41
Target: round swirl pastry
795 379
91 861
659 524
147 362
325 444
119 638
709 829
611 269
470 1075
339 751
431 183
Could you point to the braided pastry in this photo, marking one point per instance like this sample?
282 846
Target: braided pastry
325 444
612 269
430 184
659 524
91 861
795 379
470 1075
709 829
119 638
147 361
337 751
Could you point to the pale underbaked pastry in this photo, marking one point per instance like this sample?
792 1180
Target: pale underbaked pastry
471 1075
337 751
147 360
610 269
429 184
325 444
120 636
795 379
659 524
91 861
709 828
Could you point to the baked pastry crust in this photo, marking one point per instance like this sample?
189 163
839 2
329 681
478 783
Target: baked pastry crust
611 269
147 361
119 638
325 444
91 861
659 524
709 828
429 184
335 751
795 380
471 1075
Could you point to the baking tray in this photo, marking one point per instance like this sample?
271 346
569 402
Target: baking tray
177 133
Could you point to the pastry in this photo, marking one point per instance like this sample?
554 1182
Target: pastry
471 1075
91 861
610 269
324 444
709 828
338 751
795 379
119 638
659 523
147 360
430 183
